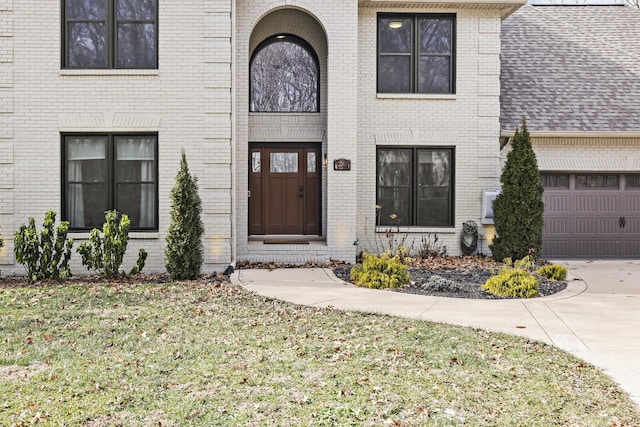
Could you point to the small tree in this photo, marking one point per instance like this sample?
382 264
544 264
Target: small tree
518 210
183 251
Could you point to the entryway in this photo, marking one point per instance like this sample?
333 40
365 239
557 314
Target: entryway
285 189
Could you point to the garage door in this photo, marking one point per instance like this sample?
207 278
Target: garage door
591 215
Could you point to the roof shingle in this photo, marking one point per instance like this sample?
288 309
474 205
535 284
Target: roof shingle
571 69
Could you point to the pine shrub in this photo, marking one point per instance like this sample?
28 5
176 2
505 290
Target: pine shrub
183 251
44 254
105 250
514 280
380 271
519 208
553 272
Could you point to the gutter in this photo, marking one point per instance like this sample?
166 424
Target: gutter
575 134
234 226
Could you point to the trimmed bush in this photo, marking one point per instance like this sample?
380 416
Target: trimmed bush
514 280
518 210
553 272
104 252
380 271
183 252
44 254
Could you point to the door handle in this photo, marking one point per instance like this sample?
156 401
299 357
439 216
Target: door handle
301 191
624 222
620 222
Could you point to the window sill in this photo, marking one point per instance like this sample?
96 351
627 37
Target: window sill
418 229
284 114
108 72
432 96
133 235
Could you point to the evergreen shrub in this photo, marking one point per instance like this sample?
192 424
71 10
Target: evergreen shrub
553 272
519 208
44 254
514 280
380 271
105 250
183 251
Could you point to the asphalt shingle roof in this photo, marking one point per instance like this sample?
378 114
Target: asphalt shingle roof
571 68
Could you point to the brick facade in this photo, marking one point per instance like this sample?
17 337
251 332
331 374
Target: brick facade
197 99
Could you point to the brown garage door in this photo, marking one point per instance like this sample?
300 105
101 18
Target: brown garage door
591 215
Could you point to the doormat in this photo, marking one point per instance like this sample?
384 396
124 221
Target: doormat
285 242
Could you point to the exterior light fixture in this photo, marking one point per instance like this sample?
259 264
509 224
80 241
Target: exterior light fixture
325 161
395 24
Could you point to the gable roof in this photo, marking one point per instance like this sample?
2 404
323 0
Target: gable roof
571 69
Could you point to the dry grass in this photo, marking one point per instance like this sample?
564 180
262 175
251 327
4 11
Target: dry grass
207 353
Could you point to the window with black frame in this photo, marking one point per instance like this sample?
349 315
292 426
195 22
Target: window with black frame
102 34
284 76
416 53
113 171
415 186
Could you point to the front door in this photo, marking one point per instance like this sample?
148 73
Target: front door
284 189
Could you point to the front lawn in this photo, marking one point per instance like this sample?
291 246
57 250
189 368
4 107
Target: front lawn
207 353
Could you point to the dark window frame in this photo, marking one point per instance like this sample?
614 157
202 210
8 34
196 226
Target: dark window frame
291 38
111 39
414 221
111 160
415 51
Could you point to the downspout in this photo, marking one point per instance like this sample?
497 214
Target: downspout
232 241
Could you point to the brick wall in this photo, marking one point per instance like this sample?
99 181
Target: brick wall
186 100
467 121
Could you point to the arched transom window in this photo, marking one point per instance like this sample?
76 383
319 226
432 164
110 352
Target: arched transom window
284 76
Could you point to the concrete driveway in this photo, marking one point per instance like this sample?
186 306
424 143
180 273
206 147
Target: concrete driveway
597 317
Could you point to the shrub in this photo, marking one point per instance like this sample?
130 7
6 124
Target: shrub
553 272
518 210
104 251
44 254
380 271
183 252
514 280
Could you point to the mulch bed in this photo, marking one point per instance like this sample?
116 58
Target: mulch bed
455 277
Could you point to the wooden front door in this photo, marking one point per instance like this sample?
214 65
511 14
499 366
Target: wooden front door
284 189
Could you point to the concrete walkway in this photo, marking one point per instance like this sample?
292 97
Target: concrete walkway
597 317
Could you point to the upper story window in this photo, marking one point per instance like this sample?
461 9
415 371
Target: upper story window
284 77
110 34
110 171
416 53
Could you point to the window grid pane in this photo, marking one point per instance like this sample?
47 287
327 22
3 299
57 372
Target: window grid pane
555 180
136 45
598 181
632 181
394 186
90 10
87 45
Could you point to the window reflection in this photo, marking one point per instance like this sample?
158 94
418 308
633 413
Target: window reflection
284 77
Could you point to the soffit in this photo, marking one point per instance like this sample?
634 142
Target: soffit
505 7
